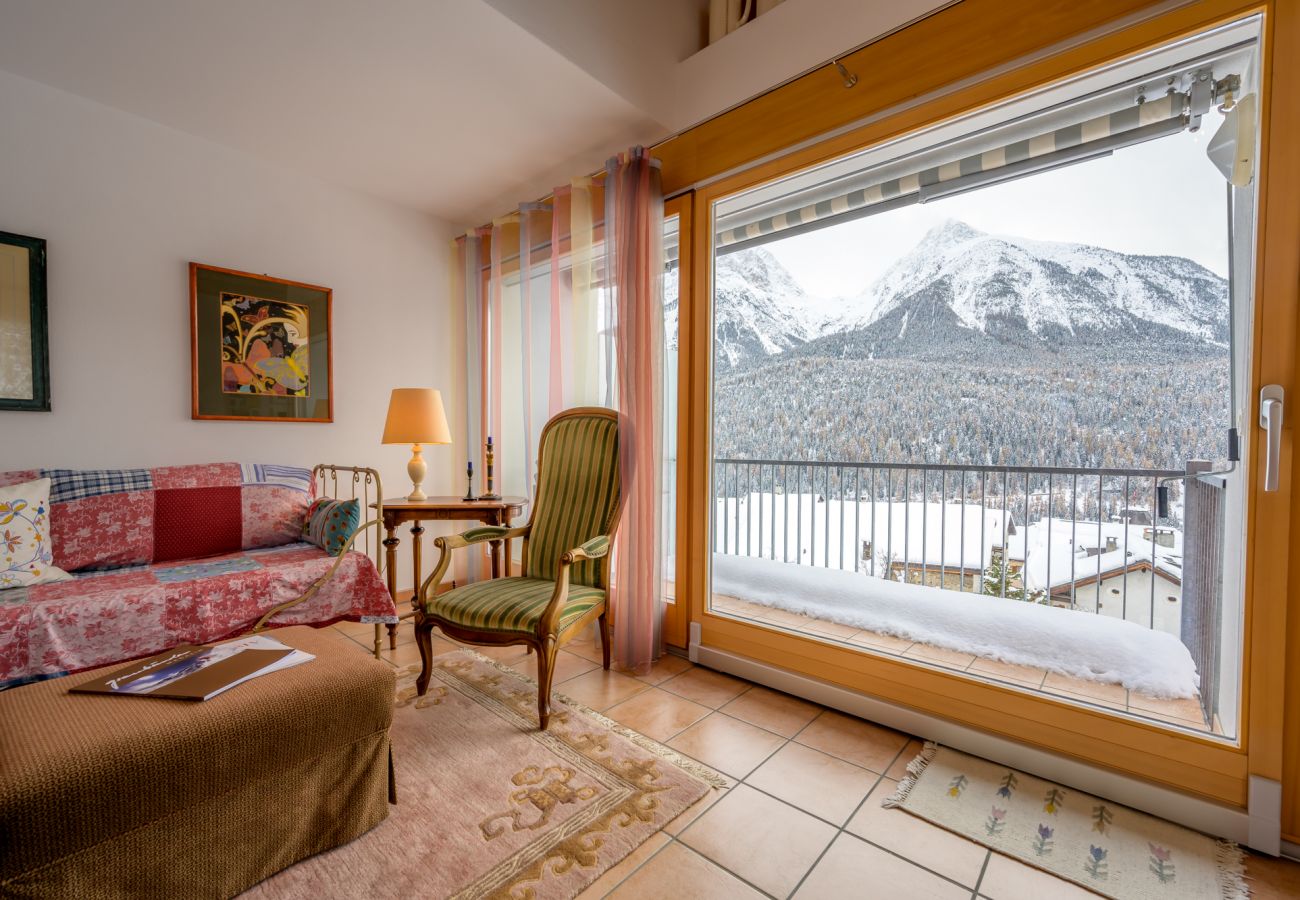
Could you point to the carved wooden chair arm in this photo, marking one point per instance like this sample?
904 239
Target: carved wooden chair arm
592 549
450 542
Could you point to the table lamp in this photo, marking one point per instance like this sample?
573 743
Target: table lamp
415 417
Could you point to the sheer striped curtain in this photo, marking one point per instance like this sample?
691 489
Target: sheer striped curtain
563 308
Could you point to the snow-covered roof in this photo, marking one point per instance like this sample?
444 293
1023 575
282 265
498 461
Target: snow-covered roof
1074 550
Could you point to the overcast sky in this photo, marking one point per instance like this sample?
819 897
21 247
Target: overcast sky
1163 197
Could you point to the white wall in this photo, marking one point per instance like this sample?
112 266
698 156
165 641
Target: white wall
125 205
781 44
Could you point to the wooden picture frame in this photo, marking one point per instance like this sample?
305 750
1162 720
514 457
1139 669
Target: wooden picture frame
24 328
261 348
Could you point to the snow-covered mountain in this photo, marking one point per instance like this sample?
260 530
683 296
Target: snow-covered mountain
963 291
1047 288
759 308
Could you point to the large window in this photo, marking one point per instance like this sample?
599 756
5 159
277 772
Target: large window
977 394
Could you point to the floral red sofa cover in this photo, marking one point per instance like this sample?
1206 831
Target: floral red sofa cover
172 555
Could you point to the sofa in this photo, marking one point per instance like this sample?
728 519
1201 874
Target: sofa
172 555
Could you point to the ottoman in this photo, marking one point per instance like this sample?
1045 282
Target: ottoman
111 797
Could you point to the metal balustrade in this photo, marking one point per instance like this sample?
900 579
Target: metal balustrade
1027 532
1098 540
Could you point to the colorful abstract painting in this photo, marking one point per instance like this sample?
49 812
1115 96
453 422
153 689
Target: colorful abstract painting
260 346
265 347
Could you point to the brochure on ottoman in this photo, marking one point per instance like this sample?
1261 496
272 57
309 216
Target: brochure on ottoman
192 672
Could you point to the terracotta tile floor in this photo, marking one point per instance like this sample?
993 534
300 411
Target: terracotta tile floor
806 798
1183 713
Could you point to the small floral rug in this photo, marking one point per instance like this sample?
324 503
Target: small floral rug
490 807
1107 848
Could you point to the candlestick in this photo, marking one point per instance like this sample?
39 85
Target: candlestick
469 475
490 494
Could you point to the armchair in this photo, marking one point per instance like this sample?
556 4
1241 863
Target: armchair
563 584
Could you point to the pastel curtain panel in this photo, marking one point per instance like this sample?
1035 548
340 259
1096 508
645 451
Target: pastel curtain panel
563 308
634 254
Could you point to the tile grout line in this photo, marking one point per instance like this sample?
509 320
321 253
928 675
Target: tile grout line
844 828
979 882
839 829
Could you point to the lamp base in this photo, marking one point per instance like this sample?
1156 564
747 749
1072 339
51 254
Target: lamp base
416 469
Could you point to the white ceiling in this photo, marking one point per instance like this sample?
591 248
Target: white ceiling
459 108
447 106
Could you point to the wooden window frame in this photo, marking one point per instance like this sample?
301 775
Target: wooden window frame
1200 765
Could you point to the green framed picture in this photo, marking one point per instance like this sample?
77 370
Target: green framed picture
260 347
24 337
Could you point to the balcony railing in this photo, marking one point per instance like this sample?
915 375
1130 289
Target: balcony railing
1108 541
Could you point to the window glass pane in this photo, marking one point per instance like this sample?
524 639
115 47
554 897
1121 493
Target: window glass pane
966 389
671 312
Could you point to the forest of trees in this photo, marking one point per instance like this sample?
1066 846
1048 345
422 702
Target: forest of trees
1155 414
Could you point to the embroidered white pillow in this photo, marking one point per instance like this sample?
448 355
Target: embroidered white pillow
26 547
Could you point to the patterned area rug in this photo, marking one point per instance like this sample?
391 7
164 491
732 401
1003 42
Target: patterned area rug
1102 846
488 806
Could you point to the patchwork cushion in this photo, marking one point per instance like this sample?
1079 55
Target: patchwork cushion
205 475
190 523
105 518
331 523
511 604
104 532
272 514
26 546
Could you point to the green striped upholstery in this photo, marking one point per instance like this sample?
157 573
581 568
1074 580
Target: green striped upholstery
511 604
577 494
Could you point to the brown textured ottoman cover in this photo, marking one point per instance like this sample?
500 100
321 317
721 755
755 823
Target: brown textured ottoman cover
142 797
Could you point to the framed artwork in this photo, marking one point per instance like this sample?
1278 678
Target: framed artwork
260 347
24 339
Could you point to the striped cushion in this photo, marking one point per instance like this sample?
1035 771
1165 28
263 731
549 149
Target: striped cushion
577 494
511 604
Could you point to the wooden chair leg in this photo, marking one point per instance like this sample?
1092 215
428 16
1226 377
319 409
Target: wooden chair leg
604 638
424 640
392 637
545 672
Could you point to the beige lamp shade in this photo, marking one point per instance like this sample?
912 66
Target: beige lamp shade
416 416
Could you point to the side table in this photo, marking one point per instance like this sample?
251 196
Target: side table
435 509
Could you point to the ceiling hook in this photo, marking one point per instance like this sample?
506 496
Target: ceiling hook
849 78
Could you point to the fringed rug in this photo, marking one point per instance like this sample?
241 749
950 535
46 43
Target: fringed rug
1107 848
488 806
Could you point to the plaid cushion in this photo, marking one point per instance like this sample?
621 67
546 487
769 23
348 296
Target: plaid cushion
511 604
284 476
76 484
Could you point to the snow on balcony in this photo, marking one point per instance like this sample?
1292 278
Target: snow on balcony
811 555
1068 642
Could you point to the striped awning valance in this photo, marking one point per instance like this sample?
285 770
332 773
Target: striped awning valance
1095 136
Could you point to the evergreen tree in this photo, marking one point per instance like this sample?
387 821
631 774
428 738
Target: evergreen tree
1015 590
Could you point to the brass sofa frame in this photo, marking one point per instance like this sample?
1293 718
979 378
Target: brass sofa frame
361 480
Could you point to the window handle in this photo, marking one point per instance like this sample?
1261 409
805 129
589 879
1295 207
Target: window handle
1270 419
